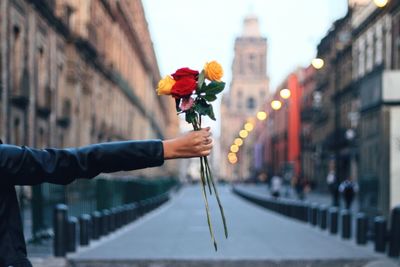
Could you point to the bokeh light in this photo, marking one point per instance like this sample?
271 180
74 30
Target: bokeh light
234 148
381 3
276 105
285 93
262 115
317 63
243 133
249 127
238 141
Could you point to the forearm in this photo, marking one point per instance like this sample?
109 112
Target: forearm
28 166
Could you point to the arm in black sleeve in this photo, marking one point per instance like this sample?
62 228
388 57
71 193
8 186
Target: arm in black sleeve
28 166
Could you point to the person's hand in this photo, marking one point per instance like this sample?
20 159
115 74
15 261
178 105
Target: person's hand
189 145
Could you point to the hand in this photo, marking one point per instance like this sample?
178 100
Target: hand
189 145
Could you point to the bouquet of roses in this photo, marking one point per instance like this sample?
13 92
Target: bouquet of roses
193 92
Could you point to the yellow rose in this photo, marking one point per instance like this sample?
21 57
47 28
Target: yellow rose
213 71
165 85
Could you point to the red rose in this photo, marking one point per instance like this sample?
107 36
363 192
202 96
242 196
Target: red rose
185 73
183 87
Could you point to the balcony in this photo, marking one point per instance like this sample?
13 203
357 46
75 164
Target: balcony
64 119
20 95
44 103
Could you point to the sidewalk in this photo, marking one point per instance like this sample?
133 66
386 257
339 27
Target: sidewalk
320 198
178 232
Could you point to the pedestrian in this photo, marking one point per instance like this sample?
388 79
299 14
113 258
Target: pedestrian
332 183
276 186
28 166
348 188
299 186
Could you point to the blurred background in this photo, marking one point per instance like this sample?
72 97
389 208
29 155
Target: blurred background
310 113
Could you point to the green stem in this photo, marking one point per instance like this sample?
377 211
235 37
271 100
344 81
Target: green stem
207 178
203 182
221 209
208 216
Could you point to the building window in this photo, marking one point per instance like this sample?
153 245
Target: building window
252 63
396 41
16 58
17 132
251 103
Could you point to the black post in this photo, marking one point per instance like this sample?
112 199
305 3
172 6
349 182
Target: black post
105 222
380 233
394 240
333 220
314 214
113 219
322 218
84 224
60 230
346 224
362 229
96 217
71 237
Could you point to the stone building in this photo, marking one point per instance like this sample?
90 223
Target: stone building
376 76
77 72
307 107
249 88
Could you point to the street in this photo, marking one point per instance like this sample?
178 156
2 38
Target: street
178 232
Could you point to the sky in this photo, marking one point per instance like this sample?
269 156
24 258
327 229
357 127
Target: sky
188 33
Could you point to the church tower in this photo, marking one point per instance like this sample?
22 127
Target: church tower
249 88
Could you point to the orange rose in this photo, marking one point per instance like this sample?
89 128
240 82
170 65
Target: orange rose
165 85
213 71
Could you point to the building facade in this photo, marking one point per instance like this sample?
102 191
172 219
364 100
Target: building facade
249 89
278 137
79 72
376 76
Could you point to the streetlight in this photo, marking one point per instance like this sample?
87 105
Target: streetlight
243 134
238 141
285 93
249 127
262 115
317 63
232 156
381 3
233 160
276 105
234 148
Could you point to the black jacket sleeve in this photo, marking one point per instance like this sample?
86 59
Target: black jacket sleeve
29 166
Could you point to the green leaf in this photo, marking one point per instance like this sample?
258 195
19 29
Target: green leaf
204 109
203 89
214 88
210 98
190 116
211 113
200 80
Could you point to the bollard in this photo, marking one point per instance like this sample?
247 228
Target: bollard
304 211
96 217
362 229
113 219
380 233
322 218
60 230
333 220
105 226
313 214
84 224
346 224
394 239
71 237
